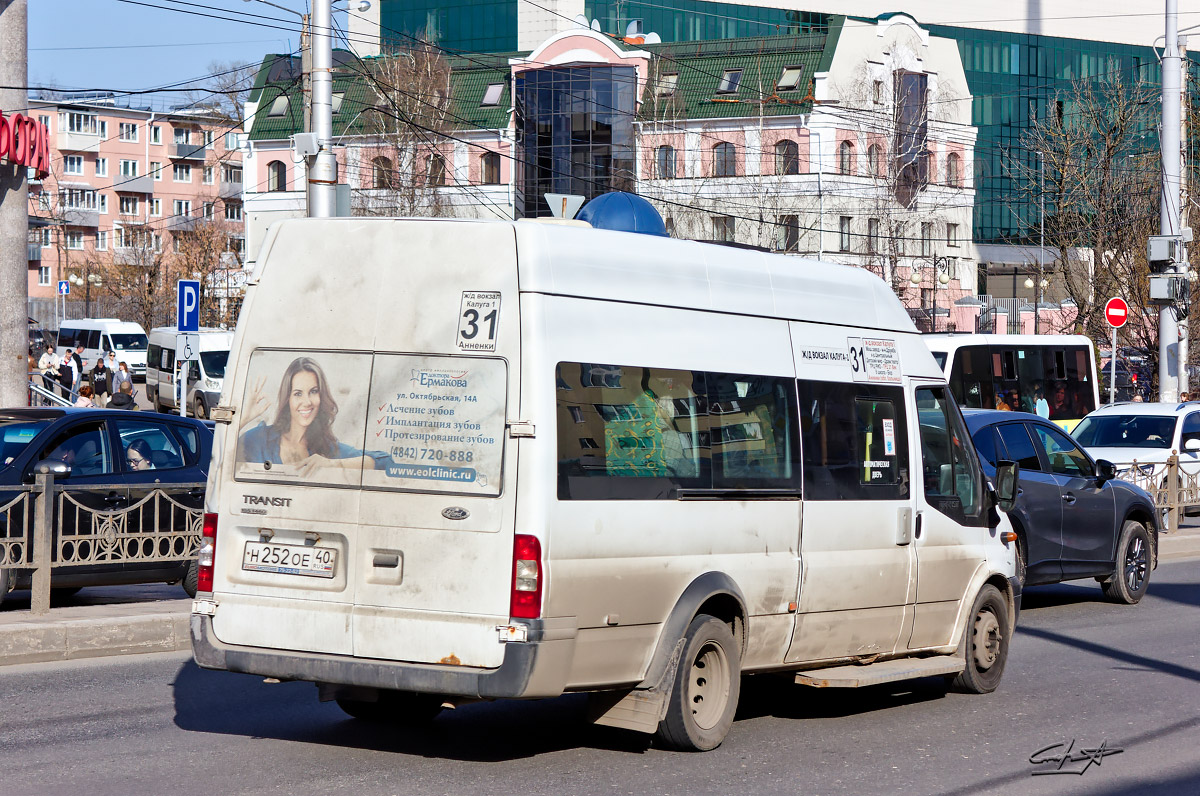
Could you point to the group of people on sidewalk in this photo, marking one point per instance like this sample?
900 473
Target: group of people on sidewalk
109 383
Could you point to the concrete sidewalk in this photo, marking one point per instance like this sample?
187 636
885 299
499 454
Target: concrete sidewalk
90 631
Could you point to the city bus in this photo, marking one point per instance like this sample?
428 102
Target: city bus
1049 375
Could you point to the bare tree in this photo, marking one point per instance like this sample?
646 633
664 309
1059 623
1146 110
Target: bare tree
224 94
407 161
1098 178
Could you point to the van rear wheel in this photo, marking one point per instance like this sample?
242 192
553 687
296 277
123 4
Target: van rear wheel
394 707
705 693
985 643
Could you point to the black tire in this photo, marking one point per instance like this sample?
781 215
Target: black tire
985 643
64 592
190 578
6 580
200 411
705 692
394 707
1131 573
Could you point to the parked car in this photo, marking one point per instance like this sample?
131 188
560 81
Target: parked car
1073 518
137 452
1145 433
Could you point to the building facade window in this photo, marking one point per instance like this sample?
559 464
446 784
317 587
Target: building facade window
127 131
102 202
787 158
382 173
844 233
155 206
276 176
232 174
73 164
846 158
723 228
437 170
129 168
664 159
101 167
875 160
128 205
102 240
209 210
490 168
155 134
183 135
873 242
232 141
74 239
952 235
233 211
207 178
926 239
182 172
954 170
79 122
43 276
724 160
156 170
182 207
788 234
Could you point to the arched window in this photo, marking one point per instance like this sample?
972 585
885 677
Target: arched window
846 158
489 168
875 160
787 158
276 176
437 170
665 161
724 160
382 175
954 170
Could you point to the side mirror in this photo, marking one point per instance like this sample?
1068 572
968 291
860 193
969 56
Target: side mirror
1107 471
1008 473
58 467
1192 444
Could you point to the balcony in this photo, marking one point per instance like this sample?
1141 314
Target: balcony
188 152
185 223
143 184
79 217
229 190
35 252
78 142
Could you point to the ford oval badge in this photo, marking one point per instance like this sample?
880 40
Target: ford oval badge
455 513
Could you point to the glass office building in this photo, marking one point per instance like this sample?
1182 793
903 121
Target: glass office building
468 26
574 129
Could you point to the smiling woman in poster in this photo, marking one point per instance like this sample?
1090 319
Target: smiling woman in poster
301 435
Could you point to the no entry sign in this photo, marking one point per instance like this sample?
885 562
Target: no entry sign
1116 312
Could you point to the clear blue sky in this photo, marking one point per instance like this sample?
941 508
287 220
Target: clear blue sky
108 44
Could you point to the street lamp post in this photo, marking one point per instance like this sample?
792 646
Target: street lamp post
941 272
1041 284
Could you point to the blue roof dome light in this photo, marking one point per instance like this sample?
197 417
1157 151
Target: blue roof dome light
623 212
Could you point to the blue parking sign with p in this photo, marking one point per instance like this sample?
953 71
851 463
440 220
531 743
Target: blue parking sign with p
188 306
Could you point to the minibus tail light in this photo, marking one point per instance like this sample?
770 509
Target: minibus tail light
526 600
208 554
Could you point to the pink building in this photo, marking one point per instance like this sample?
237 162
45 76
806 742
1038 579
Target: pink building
116 170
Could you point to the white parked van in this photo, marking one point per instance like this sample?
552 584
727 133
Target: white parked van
508 460
98 336
206 373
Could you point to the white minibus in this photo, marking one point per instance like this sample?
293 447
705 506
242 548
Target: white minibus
1053 375
98 336
462 460
206 373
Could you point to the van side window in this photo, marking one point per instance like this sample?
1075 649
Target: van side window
636 433
949 470
66 338
854 441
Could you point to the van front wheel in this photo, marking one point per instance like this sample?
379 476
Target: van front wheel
705 693
394 707
985 643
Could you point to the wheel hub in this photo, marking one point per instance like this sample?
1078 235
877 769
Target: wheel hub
708 686
986 640
1135 565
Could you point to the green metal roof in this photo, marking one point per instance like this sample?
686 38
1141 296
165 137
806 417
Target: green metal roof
701 67
279 75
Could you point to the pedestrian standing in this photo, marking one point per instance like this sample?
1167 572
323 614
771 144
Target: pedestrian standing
48 365
77 361
102 382
121 376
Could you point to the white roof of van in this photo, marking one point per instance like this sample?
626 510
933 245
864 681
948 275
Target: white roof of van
576 260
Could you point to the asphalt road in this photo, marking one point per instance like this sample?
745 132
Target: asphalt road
1082 670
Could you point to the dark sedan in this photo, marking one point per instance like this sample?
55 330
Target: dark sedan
1074 519
116 460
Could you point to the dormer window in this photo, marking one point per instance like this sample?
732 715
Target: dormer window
666 84
790 79
491 97
730 81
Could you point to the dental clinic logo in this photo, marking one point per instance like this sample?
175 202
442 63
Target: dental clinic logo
438 378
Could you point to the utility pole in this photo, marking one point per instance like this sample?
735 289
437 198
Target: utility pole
322 168
14 213
1168 328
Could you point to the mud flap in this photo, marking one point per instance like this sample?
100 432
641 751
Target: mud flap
636 709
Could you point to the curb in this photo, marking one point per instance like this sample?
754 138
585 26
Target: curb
42 639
